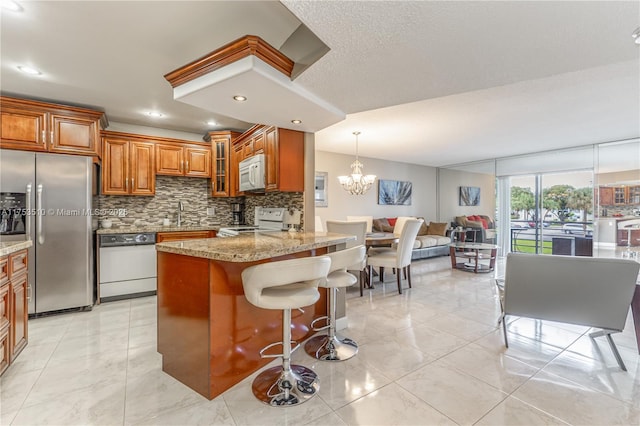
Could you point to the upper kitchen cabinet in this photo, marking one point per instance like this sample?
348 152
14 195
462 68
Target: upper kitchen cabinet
40 126
180 159
605 194
221 152
283 150
128 165
284 160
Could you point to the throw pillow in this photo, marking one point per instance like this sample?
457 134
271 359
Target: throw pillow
381 225
473 224
392 220
461 221
424 229
436 228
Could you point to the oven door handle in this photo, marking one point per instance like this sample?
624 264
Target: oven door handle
39 214
27 216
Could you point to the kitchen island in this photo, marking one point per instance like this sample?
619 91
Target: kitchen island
209 335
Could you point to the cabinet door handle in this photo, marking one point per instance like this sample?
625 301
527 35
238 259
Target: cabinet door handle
126 185
187 169
44 138
132 185
51 136
181 165
28 292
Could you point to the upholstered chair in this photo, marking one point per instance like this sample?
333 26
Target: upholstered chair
368 219
399 257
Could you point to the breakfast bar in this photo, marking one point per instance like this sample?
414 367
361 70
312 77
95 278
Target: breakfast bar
209 335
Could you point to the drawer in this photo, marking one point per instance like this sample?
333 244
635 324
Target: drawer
4 270
183 235
17 263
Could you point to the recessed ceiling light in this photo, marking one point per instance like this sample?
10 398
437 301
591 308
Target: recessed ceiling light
636 35
29 70
296 121
154 114
240 98
212 123
11 5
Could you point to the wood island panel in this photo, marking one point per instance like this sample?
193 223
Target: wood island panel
209 335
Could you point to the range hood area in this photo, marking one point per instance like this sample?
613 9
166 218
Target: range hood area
252 68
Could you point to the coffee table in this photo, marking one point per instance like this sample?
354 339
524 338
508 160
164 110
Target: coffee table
473 254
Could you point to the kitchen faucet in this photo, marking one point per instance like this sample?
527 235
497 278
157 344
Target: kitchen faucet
180 210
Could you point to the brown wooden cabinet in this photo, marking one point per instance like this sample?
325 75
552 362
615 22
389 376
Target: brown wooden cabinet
221 158
128 163
40 126
605 195
178 159
633 196
284 157
14 328
284 160
183 235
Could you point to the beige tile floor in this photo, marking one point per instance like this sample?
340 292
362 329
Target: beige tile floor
433 355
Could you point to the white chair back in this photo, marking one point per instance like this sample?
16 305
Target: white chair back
406 240
359 229
368 219
399 226
345 259
594 292
318 225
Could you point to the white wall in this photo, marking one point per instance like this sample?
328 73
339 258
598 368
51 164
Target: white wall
450 181
341 203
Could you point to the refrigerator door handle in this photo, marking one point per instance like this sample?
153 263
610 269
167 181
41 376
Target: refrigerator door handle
39 214
27 217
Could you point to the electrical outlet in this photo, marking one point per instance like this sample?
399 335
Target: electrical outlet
211 211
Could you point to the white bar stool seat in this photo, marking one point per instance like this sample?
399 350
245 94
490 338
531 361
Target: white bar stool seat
329 347
285 285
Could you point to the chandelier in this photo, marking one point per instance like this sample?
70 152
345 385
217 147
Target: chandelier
357 183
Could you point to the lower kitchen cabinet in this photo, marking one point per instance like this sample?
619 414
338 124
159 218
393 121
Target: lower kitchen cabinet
14 314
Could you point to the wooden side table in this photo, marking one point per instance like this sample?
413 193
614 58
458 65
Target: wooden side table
473 253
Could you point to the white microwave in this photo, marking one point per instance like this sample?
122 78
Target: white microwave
251 172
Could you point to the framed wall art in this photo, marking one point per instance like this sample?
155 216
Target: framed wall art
394 192
469 196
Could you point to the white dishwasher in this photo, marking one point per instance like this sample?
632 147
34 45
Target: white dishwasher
127 266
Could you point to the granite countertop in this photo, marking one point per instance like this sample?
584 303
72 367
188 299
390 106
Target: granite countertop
249 247
8 247
157 228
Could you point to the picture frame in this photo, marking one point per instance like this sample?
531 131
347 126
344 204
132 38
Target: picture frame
320 194
469 196
394 192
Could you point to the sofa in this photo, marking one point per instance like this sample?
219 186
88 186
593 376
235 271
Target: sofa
433 239
478 228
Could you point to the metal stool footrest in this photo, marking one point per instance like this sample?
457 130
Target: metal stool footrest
271 345
324 327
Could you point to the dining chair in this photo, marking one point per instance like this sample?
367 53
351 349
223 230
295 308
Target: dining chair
318 225
368 219
359 230
398 257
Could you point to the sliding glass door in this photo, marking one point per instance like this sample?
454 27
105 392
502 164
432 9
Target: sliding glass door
552 213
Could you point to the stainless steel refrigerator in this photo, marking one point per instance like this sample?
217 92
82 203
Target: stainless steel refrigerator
58 202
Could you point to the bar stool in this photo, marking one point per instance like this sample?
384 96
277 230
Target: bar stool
329 347
285 285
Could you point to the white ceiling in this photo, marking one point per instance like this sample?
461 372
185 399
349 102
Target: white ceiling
426 82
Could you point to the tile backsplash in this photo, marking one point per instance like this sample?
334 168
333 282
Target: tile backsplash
195 196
